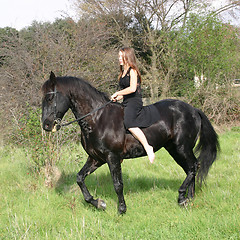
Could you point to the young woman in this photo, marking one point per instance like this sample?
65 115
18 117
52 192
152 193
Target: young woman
130 84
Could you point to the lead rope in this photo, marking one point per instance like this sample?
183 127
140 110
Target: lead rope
79 119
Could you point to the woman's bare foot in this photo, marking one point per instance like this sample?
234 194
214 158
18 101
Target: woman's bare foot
150 153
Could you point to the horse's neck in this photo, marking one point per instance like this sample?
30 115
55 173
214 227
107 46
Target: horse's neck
82 105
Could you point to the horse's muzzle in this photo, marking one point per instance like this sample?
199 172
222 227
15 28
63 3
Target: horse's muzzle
51 126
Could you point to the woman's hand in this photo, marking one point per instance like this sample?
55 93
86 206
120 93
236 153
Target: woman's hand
116 97
119 97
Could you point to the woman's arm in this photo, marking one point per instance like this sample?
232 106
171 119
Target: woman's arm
131 89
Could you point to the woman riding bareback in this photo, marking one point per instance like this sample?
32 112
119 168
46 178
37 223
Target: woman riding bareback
130 84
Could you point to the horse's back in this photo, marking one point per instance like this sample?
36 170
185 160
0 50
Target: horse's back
177 109
176 119
172 105
185 119
170 112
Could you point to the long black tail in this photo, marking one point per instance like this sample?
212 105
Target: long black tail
208 147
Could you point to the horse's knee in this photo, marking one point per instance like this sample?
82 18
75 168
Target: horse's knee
80 181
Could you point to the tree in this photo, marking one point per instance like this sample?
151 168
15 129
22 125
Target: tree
149 28
207 47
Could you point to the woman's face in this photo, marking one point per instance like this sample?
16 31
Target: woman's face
120 58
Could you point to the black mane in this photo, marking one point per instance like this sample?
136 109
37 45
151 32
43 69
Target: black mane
76 86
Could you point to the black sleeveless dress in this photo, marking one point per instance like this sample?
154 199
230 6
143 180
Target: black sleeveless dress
135 114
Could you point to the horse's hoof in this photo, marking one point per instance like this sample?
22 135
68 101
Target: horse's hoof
122 209
101 204
183 202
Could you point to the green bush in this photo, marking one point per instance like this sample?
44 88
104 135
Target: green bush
42 148
39 146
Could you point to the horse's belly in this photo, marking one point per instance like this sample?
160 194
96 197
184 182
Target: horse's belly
156 138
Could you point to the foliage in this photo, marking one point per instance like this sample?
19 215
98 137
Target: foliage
207 47
29 210
41 148
221 104
38 145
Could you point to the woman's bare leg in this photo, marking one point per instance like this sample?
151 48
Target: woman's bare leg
139 135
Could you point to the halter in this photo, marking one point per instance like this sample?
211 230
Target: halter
57 121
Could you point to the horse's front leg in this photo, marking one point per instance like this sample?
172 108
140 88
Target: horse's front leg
116 173
90 166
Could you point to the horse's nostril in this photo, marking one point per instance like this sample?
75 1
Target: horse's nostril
46 126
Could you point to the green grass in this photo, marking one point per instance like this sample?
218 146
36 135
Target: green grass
30 210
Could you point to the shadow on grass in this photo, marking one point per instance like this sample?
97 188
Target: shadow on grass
102 185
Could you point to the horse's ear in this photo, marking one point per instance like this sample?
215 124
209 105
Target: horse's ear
52 77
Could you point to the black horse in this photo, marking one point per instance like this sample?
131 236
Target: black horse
105 139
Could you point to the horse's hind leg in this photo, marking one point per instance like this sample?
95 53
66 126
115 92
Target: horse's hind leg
187 188
191 187
90 166
185 158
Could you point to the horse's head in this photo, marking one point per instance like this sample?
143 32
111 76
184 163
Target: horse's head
54 104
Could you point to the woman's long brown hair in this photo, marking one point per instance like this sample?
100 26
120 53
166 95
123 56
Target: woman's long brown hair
130 58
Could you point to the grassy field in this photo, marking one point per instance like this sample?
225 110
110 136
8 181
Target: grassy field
30 210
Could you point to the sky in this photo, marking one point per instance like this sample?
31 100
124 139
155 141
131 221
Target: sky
21 13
